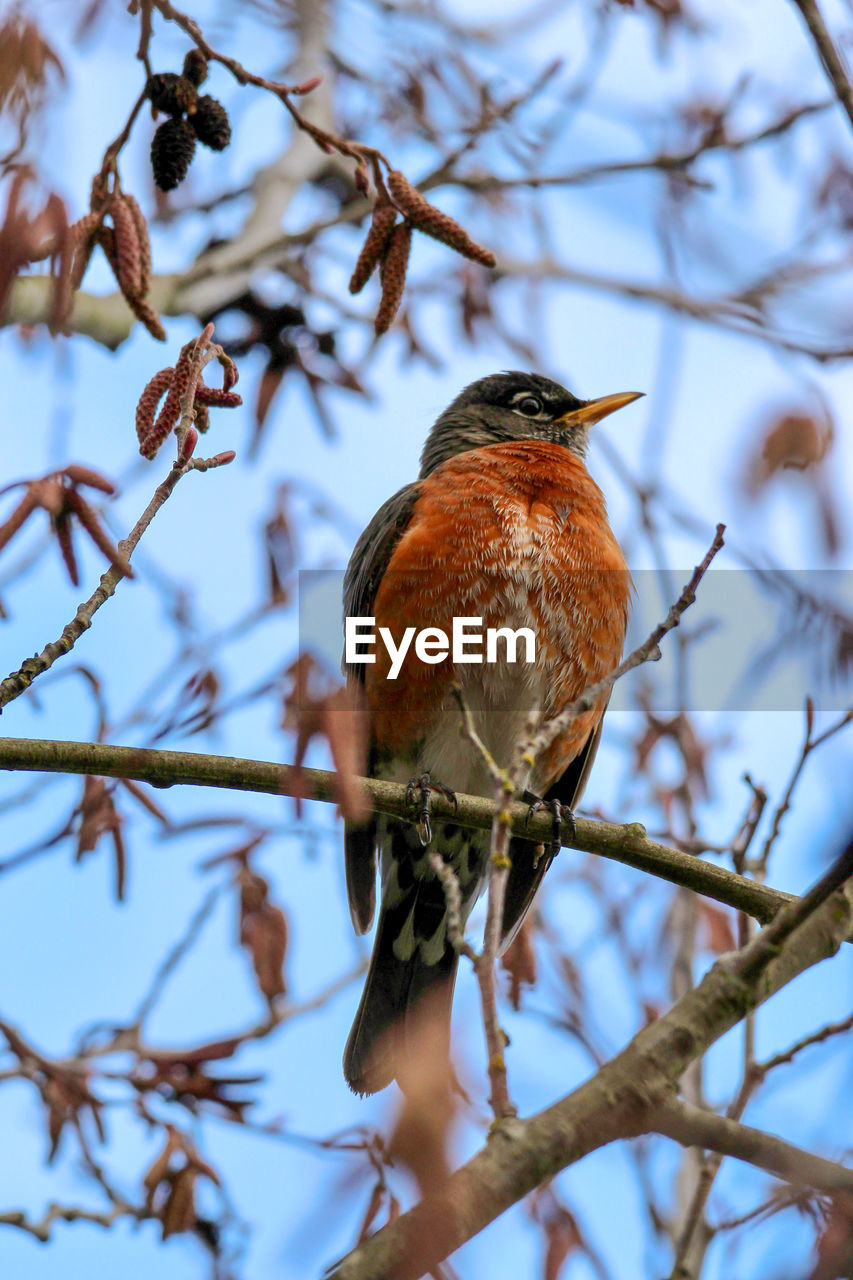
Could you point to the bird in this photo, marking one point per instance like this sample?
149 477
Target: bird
504 524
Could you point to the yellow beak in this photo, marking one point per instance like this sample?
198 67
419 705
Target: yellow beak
594 410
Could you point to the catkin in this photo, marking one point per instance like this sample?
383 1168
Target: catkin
392 272
375 244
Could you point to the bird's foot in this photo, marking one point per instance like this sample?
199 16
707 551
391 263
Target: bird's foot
426 786
560 813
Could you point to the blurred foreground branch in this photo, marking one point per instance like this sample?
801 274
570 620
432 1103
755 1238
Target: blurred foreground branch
625 1096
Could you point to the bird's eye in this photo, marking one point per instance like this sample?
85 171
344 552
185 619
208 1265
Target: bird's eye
530 406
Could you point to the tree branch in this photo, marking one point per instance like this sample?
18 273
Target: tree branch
618 1102
627 844
19 681
831 59
694 1127
41 1227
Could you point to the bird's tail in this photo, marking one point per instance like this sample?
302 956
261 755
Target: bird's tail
405 1006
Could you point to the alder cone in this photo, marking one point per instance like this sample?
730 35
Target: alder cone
172 150
195 67
211 124
170 93
392 272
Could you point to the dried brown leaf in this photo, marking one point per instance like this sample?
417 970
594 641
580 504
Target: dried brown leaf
281 550
79 506
178 1211
19 516
789 441
62 529
519 961
263 931
424 1123
338 715
159 1170
267 387
835 1244
377 1197
717 926
88 476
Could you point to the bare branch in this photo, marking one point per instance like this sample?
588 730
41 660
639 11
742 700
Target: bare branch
40 1228
627 844
830 57
694 1127
618 1102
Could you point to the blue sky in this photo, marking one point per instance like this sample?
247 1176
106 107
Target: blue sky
69 955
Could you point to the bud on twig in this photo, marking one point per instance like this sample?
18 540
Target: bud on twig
195 67
307 85
188 447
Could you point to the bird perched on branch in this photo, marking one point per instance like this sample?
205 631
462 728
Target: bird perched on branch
506 525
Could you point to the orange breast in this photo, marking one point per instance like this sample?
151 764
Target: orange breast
515 534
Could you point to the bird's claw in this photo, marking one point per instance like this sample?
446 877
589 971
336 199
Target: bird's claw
560 813
426 786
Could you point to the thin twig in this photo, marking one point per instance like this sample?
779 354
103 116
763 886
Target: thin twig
809 745
176 954
693 1126
833 63
326 140
780 1059
665 162
40 1228
19 681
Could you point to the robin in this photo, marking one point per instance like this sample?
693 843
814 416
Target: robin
505 526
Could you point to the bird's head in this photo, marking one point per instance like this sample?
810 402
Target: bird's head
515 406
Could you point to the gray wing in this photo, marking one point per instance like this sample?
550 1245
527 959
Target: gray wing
525 877
367 565
371 556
